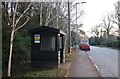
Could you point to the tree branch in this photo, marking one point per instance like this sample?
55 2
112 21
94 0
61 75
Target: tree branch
13 22
22 25
23 13
47 20
51 20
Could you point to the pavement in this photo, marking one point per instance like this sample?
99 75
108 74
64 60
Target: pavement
65 65
82 66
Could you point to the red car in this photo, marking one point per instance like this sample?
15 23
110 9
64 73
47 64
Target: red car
84 46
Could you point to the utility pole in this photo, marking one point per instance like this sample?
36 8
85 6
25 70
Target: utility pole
69 32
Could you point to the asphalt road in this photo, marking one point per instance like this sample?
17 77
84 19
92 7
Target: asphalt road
106 60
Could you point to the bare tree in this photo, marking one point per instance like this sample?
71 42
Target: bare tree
14 29
96 29
76 26
116 15
55 14
107 24
50 13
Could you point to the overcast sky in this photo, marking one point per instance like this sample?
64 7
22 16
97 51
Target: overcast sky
94 11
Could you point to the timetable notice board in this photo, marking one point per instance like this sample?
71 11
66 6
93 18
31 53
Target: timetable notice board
37 38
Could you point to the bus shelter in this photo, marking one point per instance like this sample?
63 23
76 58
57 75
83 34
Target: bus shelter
47 47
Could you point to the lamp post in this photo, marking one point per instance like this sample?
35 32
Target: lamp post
76 19
118 13
76 25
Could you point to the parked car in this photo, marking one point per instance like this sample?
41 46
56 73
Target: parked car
84 46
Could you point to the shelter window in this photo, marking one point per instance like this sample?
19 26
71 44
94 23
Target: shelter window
47 43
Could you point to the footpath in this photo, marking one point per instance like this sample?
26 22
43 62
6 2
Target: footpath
82 66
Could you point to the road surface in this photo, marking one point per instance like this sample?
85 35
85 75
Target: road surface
106 60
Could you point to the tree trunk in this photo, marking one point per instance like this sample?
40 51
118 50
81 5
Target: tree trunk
10 53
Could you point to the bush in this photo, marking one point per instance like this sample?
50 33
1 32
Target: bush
115 43
21 49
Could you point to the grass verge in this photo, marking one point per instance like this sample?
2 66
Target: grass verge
70 57
27 71
42 73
